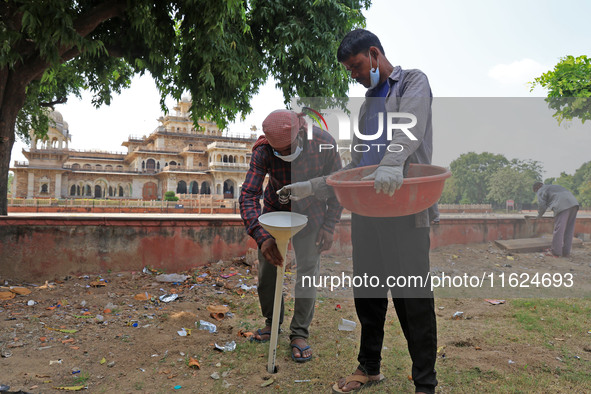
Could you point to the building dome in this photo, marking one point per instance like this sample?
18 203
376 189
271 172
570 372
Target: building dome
56 116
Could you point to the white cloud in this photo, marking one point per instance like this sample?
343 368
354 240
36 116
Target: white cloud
517 73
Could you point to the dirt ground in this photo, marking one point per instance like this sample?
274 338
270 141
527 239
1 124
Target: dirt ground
111 333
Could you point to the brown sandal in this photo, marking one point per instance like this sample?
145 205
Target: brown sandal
363 379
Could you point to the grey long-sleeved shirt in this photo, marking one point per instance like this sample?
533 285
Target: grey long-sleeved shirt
556 198
409 92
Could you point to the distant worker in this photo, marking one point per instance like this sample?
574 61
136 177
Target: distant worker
565 207
286 154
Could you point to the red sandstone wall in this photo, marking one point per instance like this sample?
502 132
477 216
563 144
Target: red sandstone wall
37 249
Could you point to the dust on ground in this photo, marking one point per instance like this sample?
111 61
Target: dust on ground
111 332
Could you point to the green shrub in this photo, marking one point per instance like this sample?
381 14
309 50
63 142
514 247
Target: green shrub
170 196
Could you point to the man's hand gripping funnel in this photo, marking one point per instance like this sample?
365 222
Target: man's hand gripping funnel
282 226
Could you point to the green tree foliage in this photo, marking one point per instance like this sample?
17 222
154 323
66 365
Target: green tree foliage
221 52
451 192
584 195
479 178
472 172
569 88
579 183
170 196
509 183
565 180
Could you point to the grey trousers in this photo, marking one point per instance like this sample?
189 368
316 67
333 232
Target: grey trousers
307 259
564 231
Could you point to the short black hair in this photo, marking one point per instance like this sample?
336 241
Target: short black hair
357 41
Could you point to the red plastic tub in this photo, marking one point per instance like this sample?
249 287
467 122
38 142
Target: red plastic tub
421 188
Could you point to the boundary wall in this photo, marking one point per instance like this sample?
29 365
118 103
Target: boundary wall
36 247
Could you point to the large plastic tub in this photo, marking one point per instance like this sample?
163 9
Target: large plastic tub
421 188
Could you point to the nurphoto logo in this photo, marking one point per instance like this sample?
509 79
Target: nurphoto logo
348 125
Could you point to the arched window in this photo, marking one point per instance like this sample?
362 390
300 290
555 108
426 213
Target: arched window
228 189
181 187
205 189
75 166
78 190
194 187
88 191
119 168
150 164
108 167
44 188
73 190
99 167
98 192
110 191
87 167
120 191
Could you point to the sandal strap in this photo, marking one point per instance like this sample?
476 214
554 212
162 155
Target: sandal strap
363 379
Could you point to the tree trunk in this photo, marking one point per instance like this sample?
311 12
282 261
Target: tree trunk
12 99
6 143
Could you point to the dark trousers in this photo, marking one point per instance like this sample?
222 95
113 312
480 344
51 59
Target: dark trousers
564 231
385 247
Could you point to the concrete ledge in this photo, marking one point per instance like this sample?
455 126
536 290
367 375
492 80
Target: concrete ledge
36 247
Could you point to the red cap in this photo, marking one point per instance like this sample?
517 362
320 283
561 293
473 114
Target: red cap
281 127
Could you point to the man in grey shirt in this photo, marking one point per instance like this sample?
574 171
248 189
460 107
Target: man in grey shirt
565 207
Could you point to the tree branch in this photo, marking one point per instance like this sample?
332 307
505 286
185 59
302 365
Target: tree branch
61 100
89 21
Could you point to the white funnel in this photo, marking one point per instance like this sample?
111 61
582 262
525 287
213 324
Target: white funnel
282 226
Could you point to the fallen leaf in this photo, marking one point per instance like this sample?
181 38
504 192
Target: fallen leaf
245 334
142 296
70 388
62 330
477 348
7 295
98 283
75 347
20 290
46 286
70 340
268 382
194 363
103 360
510 258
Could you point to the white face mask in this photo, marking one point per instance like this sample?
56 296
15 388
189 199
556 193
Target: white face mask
292 157
374 74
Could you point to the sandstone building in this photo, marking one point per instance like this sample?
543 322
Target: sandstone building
175 156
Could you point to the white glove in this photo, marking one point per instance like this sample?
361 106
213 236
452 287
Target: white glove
388 179
296 191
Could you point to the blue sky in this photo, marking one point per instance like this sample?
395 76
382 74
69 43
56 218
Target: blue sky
466 48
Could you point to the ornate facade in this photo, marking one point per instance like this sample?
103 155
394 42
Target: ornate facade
174 157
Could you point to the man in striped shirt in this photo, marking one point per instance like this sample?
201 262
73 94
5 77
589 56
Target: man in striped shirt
285 154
